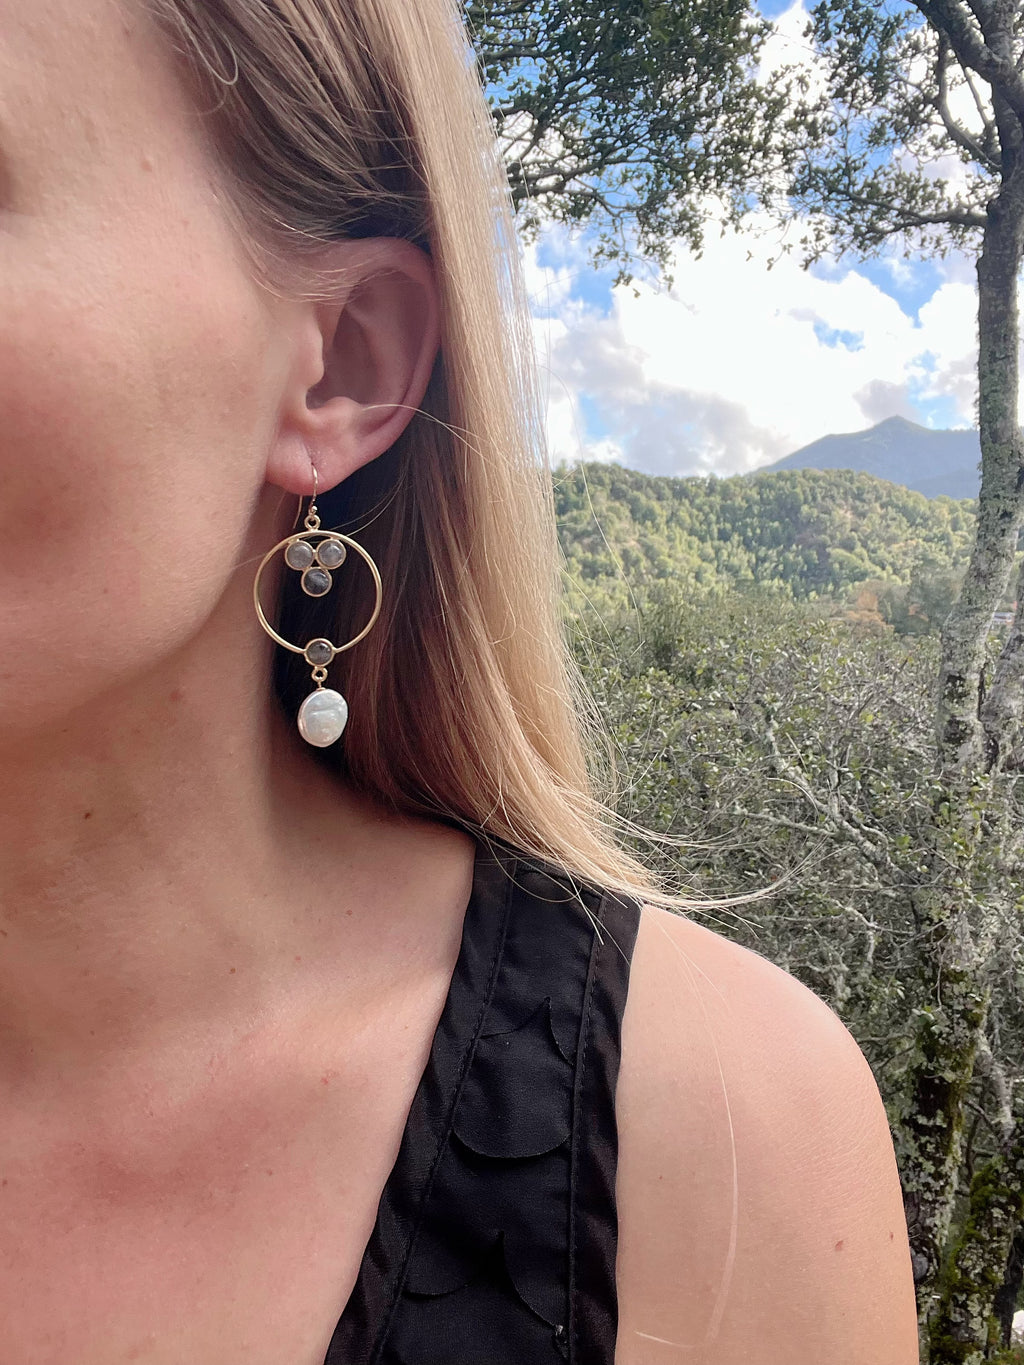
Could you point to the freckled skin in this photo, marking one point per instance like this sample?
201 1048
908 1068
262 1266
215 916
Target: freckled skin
154 413
760 1127
136 448
218 962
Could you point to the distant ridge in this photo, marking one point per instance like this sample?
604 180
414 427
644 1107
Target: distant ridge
935 463
809 533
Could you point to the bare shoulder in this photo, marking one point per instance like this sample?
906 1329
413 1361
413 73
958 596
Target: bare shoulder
760 1215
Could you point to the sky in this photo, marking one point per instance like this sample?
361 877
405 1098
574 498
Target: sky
739 365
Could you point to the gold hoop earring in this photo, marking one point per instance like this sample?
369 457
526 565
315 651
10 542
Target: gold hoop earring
316 554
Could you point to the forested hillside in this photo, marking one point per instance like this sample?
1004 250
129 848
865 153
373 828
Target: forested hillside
809 533
774 729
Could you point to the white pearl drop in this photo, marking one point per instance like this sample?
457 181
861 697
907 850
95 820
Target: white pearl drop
322 717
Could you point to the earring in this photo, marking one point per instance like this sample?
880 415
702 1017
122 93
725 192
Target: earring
316 554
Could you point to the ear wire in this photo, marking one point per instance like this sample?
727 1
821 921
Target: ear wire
312 501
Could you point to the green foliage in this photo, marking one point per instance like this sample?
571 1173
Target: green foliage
902 140
627 114
730 715
771 746
806 533
643 118
919 606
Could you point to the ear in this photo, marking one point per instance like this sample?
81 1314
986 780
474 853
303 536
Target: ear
361 361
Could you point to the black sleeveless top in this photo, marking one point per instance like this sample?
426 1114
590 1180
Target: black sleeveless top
496 1232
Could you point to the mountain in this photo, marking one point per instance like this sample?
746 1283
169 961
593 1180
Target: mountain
932 462
811 533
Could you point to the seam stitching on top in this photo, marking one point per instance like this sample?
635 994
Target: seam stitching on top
577 1126
446 1130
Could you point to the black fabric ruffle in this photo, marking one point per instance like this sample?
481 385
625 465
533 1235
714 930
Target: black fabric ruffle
495 1237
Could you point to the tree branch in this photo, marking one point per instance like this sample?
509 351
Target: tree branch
972 51
991 140
514 53
831 811
904 219
956 131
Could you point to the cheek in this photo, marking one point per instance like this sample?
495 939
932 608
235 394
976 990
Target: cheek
134 426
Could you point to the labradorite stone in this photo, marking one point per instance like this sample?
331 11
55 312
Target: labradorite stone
320 652
316 582
331 553
299 555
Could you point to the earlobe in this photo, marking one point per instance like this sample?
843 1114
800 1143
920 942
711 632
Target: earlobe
363 361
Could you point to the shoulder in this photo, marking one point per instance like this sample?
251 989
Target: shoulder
760 1214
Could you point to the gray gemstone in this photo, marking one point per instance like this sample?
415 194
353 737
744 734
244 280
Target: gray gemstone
331 553
320 652
316 582
299 555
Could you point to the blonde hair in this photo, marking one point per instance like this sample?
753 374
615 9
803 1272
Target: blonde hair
366 118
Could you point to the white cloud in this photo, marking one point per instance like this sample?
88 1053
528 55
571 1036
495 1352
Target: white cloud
788 47
949 321
739 364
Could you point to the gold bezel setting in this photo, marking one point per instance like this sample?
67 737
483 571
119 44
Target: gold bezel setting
324 713
319 653
282 545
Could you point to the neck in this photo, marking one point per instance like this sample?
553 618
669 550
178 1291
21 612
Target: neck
159 854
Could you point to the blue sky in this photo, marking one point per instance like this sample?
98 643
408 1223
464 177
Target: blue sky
738 365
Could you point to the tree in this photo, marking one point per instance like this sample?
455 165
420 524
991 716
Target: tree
626 114
809 532
778 746
917 135
909 129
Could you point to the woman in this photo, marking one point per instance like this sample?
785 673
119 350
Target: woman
309 1049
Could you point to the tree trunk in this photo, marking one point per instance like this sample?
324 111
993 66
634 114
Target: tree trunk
1005 1304
955 1300
931 1135
965 746
966 1328
1003 708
